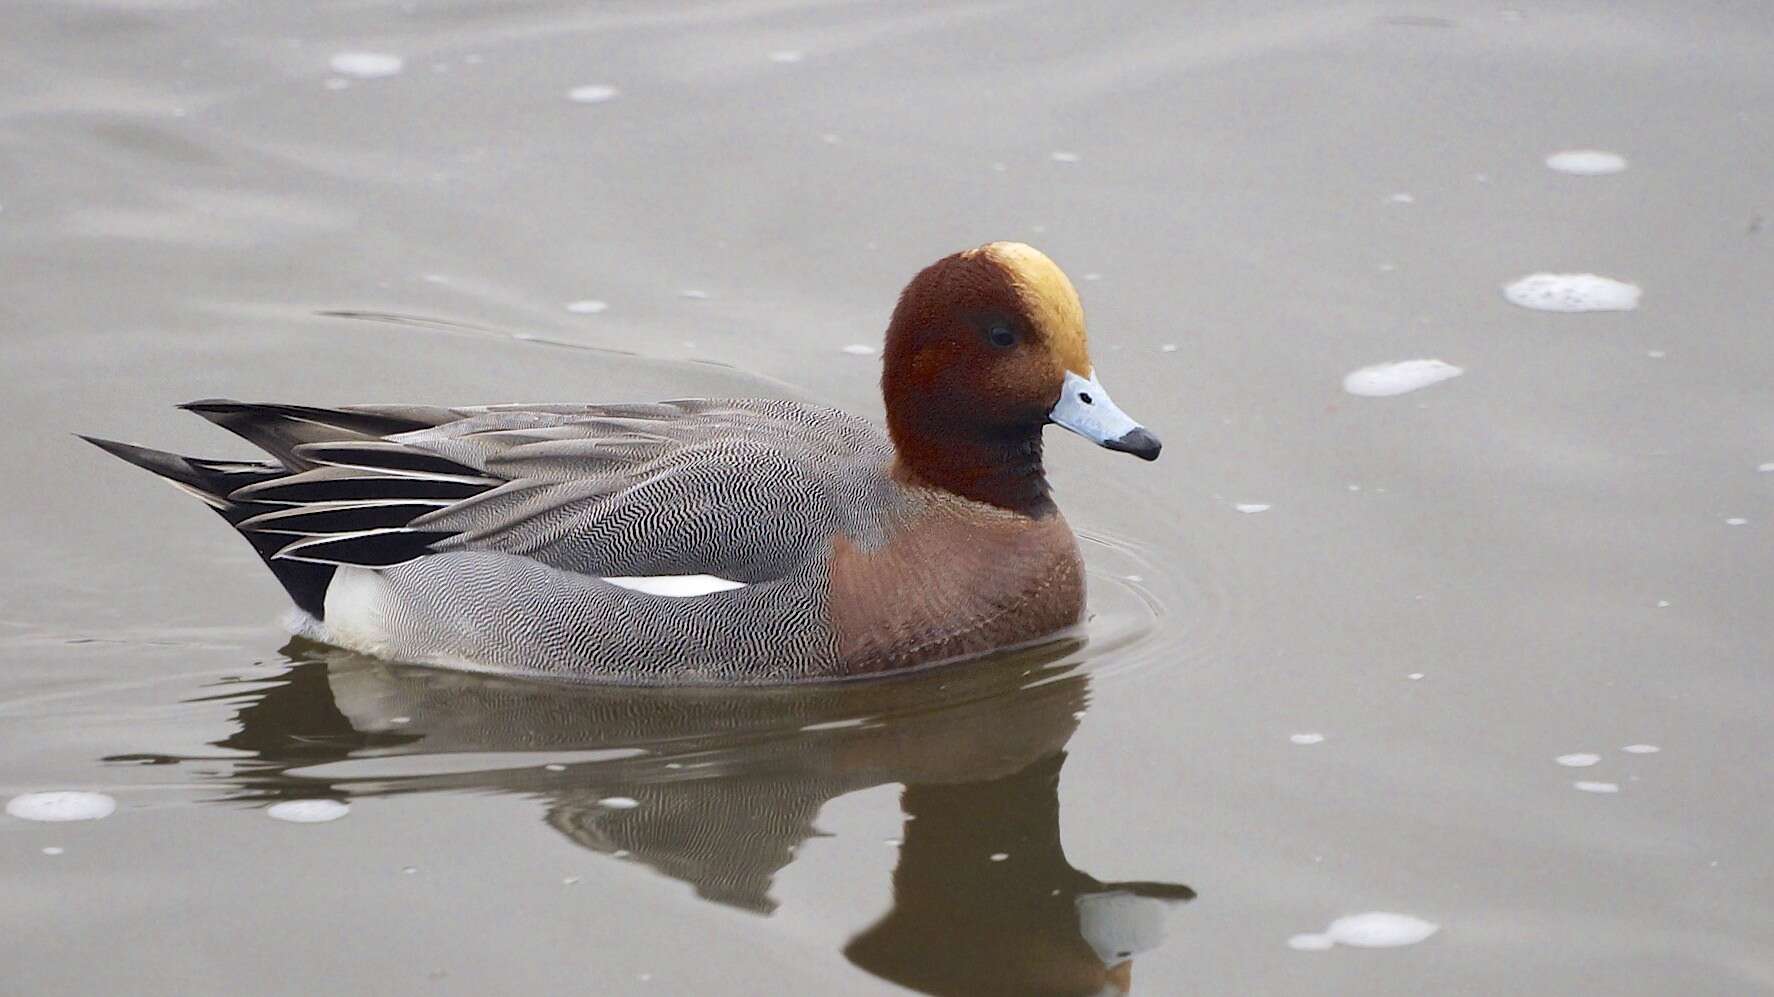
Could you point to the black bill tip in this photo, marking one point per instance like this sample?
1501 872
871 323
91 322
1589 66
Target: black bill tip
1139 442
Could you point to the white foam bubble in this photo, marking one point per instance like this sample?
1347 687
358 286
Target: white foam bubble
787 56
366 65
1597 787
1374 929
61 805
53 850
1312 738
1766 468
593 93
1578 760
307 811
1403 197
1061 156
586 307
1378 929
1572 292
1383 380
1587 162
619 802
1736 521
999 856
860 350
1168 348
1251 507
694 294
1641 749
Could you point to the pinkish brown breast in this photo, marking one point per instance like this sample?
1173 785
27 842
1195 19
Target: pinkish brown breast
955 578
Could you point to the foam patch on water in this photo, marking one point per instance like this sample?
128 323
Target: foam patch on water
61 805
860 350
787 56
619 802
1249 508
1572 292
586 307
367 65
307 811
1312 738
1641 749
1061 156
592 93
1384 380
1578 760
1597 787
1374 929
1587 162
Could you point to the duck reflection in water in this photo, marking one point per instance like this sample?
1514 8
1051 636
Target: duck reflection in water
727 784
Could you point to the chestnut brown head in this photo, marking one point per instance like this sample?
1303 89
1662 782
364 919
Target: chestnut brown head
986 347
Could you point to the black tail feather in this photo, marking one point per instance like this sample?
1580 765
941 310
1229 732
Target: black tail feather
280 429
213 481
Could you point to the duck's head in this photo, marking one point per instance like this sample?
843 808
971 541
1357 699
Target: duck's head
985 348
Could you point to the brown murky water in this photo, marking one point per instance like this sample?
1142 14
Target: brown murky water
1563 551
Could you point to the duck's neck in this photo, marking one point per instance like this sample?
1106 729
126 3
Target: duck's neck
1001 468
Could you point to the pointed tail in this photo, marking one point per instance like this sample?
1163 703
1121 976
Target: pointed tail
213 481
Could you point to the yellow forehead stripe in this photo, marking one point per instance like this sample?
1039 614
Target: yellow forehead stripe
1050 300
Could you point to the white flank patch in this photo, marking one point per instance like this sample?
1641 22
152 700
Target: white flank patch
1572 292
307 811
1386 379
61 806
367 65
678 586
356 612
1586 162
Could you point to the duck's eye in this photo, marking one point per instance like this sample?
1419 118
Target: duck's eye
1001 336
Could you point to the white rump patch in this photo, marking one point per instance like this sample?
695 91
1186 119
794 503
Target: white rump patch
678 586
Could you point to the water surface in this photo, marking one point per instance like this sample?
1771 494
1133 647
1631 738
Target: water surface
1339 644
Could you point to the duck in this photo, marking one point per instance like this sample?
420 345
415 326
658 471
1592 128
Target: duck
707 541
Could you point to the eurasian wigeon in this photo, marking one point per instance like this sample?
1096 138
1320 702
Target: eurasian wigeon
720 541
